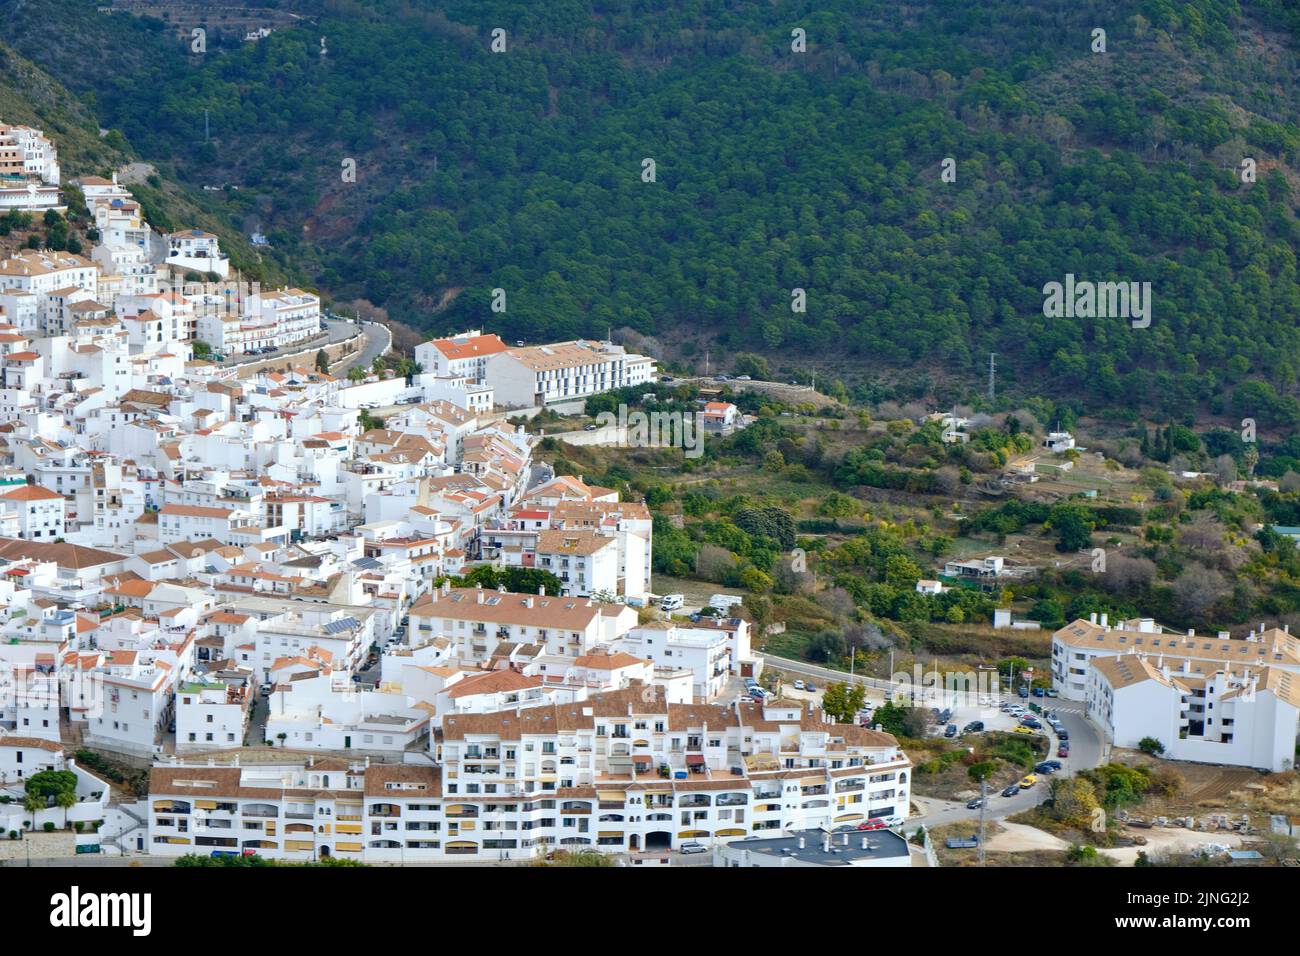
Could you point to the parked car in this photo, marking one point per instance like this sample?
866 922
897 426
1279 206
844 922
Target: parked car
1022 729
1028 781
873 824
1064 735
975 804
589 427
1012 790
1039 692
1063 751
798 685
1051 692
1044 767
692 846
672 602
1024 692
1031 723
742 378
1054 764
973 727
951 731
810 687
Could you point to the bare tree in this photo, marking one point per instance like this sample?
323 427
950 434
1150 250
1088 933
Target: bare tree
1127 574
1198 589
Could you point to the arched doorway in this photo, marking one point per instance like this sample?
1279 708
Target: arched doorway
658 840
634 842
324 853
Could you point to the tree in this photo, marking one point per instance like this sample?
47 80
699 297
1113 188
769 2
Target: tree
322 362
1074 801
1197 590
1150 745
66 800
982 770
34 802
755 366
1074 525
842 701
356 373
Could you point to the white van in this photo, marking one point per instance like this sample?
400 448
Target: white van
672 602
724 602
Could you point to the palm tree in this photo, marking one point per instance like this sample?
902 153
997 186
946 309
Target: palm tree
67 799
33 803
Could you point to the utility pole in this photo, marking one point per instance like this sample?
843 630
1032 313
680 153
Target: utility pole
984 799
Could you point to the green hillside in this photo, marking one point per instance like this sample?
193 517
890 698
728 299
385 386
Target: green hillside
774 170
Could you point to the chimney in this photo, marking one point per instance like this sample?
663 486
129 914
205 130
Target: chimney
801 843
1104 619
845 841
480 595
541 590
1191 632
1092 618
826 842
528 602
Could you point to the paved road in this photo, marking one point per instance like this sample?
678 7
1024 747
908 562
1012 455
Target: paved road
1086 752
379 338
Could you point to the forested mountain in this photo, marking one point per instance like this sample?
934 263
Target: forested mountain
774 170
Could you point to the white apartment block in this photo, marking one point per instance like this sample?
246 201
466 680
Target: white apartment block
463 355
26 153
1206 699
29 171
1245 717
564 372
476 621
620 772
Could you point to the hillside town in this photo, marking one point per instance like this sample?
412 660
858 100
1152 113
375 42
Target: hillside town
235 575
325 611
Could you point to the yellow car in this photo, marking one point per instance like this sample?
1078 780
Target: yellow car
1028 782
1022 730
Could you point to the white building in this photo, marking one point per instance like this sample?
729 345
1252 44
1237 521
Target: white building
194 250
620 772
1206 699
563 372
463 355
212 714
40 512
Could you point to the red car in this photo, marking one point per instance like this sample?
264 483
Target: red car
872 825
1063 751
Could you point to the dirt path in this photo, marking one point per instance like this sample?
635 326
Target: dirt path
1019 838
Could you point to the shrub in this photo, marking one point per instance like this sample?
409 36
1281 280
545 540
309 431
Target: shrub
49 827
1149 745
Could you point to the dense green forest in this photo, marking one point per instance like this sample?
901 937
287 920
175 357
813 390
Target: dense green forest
774 170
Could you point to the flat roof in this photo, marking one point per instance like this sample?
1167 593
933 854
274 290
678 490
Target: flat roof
880 845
